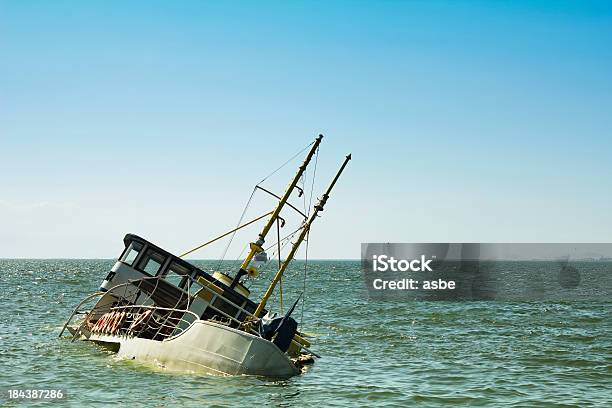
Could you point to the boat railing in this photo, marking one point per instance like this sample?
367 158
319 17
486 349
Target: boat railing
121 316
188 293
126 290
208 287
98 309
161 322
154 322
77 310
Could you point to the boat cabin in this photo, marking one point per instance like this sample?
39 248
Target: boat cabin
149 275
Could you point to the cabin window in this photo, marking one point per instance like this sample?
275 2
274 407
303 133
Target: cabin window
177 275
152 263
131 253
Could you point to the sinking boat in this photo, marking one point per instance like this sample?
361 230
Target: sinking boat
157 307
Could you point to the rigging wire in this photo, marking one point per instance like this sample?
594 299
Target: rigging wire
314 174
280 287
289 236
238 260
287 240
251 198
246 207
223 235
285 163
304 284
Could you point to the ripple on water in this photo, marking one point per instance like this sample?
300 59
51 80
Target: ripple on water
374 353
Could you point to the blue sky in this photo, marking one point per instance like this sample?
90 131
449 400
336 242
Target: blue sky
468 121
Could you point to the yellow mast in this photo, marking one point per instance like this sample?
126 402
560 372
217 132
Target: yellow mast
256 247
318 207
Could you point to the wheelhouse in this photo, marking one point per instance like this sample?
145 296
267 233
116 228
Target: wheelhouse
163 279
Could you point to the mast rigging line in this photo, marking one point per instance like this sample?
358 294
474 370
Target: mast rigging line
314 174
287 237
280 263
253 193
317 208
256 246
276 196
226 234
284 242
234 234
285 163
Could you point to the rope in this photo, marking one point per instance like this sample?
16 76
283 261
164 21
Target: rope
240 257
280 287
314 173
285 163
278 244
251 198
225 234
304 177
246 207
288 236
304 285
287 240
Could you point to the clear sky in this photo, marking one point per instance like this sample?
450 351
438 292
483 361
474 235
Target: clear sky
467 120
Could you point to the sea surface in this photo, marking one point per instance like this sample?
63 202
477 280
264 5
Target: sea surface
374 352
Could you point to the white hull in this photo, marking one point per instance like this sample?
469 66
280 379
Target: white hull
210 348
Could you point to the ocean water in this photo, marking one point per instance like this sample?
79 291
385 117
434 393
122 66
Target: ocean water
374 353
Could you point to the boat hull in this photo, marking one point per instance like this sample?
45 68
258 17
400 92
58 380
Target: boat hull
207 347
